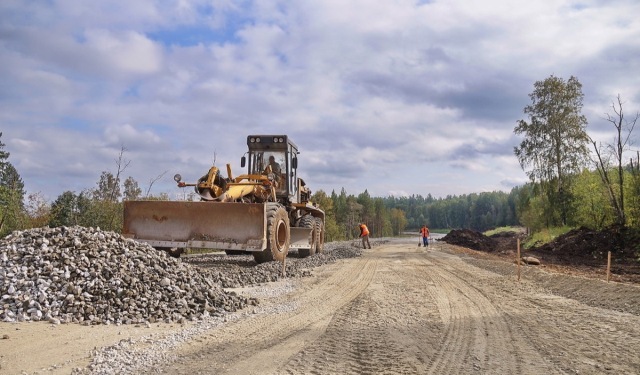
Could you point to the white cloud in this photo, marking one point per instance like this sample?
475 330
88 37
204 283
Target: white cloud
372 92
126 52
126 134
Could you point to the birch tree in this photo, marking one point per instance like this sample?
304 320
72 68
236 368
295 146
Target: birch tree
555 140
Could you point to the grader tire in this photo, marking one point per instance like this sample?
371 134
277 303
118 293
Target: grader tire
309 221
278 235
319 235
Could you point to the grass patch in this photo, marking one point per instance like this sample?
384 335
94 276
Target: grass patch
545 236
503 229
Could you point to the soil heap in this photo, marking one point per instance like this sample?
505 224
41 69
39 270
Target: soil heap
469 239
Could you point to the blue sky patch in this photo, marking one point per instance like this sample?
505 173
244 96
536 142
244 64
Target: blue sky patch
192 35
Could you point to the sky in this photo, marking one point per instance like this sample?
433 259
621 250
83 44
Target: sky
395 97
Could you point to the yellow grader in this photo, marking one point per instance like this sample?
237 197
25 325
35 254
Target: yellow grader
264 212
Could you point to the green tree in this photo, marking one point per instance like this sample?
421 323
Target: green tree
12 194
592 208
368 213
354 217
108 189
332 231
65 210
382 218
398 221
37 211
131 189
555 140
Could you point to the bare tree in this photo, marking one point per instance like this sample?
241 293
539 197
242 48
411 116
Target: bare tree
624 129
153 181
122 165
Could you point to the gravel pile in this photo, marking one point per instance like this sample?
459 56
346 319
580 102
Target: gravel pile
89 276
145 354
85 275
241 270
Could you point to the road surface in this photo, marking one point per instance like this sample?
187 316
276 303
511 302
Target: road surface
400 309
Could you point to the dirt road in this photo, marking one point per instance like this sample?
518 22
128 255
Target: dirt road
402 310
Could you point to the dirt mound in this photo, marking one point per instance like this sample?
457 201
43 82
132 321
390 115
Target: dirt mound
582 244
507 242
470 239
580 250
588 247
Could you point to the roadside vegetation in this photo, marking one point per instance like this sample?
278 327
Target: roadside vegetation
575 181
510 229
544 236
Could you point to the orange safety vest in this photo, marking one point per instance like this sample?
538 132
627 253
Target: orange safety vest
364 231
424 231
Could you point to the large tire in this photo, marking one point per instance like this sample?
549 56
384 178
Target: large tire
278 235
309 221
319 235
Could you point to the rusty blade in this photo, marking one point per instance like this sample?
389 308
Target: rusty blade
237 226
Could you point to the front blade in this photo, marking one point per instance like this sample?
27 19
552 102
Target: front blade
227 226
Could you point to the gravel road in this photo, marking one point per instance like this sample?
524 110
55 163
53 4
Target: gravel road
397 309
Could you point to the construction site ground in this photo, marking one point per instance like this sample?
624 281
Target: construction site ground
397 309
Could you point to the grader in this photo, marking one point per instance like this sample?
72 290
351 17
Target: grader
264 212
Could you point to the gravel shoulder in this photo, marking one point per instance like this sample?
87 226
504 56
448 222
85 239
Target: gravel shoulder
44 348
397 309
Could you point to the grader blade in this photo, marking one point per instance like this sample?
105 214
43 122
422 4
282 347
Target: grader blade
212 225
301 238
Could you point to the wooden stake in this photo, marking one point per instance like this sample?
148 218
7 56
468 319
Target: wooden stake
608 266
518 259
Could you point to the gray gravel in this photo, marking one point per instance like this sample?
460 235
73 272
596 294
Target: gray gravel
233 271
130 357
85 275
89 276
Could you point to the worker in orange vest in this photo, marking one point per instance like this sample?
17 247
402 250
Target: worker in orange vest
424 231
364 233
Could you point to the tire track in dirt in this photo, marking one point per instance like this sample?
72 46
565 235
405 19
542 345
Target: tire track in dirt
577 338
262 344
398 310
381 331
560 334
497 345
450 326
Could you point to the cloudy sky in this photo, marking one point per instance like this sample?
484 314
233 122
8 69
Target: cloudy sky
393 96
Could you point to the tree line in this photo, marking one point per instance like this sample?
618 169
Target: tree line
102 206
570 184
